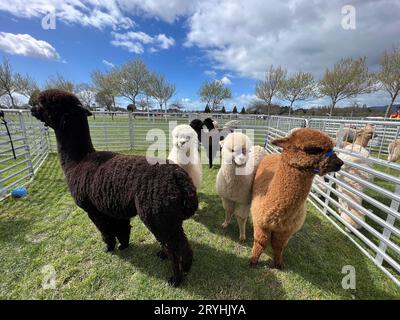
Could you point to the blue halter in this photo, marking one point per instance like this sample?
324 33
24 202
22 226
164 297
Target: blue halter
328 154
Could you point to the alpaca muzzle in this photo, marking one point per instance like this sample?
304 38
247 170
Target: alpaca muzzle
330 162
37 113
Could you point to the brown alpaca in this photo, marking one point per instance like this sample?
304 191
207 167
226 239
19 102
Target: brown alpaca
281 186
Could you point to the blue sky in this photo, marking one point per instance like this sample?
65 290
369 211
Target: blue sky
230 40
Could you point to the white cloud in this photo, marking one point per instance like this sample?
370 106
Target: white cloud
135 41
163 41
225 80
167 10
247 36
96 13
211 73
108 63
26 45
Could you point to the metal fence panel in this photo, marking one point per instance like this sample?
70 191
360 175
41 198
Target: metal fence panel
365 194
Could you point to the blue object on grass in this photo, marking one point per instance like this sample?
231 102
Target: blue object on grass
19 192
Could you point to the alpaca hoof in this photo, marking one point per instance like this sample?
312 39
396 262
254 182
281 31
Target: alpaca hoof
109 248
225 225
162 255
123 246
242 239
276 265
175 281
253 263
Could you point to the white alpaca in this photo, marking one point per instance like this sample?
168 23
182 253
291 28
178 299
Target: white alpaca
235 177
394 151
363 136
185 152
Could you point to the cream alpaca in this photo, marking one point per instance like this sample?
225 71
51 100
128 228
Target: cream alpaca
185 152
235 177
394 151
363 136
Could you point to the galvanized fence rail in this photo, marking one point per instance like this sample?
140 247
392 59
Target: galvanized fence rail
21 157
362 201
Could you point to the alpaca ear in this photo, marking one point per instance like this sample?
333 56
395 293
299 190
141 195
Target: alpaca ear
281 142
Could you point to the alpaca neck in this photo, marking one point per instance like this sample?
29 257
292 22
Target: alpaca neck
362 141
73 141
292 184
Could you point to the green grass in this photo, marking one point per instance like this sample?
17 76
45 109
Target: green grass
48 229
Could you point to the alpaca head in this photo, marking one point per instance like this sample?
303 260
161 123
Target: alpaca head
311 150
235 149
184 137
57 107
364 135
209 123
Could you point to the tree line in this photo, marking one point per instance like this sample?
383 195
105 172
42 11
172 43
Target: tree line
346 80
132 80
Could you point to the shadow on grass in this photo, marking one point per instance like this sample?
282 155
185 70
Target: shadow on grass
215 274
213 215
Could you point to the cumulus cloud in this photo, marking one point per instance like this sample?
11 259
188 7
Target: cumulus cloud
225 80
135 41
299 34
26 45
166 10
96 13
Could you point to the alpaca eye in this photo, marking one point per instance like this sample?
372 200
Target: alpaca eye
313 150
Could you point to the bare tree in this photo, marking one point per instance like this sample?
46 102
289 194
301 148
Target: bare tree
267 89
388 77
106 87
58 81
347 79
213 93
169 92
299 87
159 88
86 94
133 77
25 85
8 84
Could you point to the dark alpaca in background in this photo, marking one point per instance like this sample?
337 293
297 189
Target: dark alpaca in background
113 187
210 140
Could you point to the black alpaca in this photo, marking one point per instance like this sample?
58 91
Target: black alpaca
211 139
113 187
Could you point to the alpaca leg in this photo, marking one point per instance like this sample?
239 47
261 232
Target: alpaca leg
162 254
242 212
229 207
181 255
261 238
104 225
122 230
279 241
242 227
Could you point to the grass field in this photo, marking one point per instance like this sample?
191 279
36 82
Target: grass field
47 231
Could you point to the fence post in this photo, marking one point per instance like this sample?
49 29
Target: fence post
28 155
390 221
131 136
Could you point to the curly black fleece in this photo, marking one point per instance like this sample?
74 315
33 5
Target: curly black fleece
113 187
